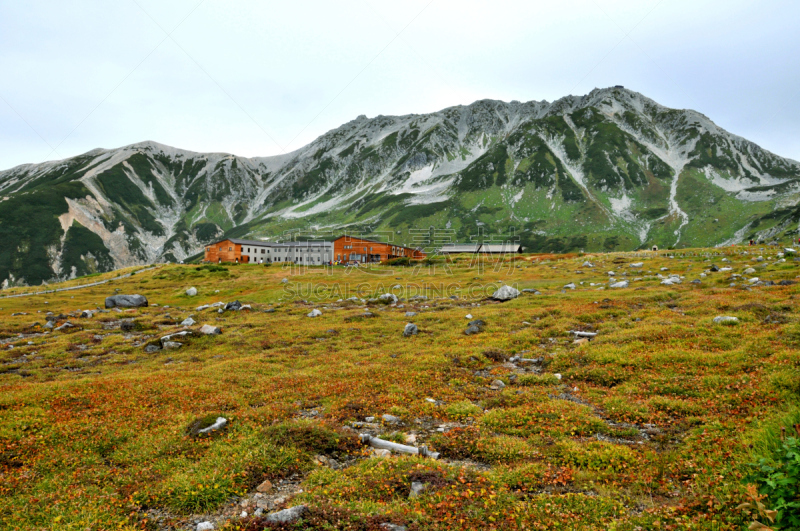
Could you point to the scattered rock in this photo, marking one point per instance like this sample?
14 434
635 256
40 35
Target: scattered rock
188 322
714 268
571 285
171 345
505 293
497 384
265 487
417 488
191 292
233 306
695 281
722 319
787 283
65 326
637 264
410 330
152 347
468 316
205 526
390 419
87 314
388 298
587 264
411 314
622 284
475 327
284 281
393 527
314 313
126 301
210 330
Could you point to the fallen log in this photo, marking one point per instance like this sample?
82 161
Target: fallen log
380 444
578 333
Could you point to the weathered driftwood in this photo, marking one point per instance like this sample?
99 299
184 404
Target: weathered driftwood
380 444
583 334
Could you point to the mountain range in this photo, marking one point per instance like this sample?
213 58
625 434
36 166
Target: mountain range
611 170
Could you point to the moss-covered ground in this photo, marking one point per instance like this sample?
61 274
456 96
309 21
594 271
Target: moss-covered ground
651 425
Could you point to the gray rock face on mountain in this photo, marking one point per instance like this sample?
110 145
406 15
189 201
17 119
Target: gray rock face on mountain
126 301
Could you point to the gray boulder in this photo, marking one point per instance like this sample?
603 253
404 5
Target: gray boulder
287 516
505 293
388 298
622 284
126 301
726 319
411 314
233 306
210 330
170 345
187 322
314 313
191 292
475 327
410 330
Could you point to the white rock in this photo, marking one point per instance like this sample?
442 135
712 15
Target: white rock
205 526
468 316
188 322
611 273
637 264
203 307
557 375
191 292
623 284
725 319
505 293
314 313
571 285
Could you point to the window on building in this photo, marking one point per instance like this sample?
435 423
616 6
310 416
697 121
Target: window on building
230 248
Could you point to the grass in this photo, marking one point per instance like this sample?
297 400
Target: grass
651 425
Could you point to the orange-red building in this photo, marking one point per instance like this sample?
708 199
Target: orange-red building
224 251
353 249
344 249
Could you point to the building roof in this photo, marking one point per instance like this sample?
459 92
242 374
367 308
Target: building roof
460 248
262 243
373 241
506 247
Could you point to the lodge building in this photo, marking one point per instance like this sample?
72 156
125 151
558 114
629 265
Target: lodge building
345 249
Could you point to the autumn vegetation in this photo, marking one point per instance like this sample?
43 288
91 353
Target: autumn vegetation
665 420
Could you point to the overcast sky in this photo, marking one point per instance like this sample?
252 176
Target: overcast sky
264 77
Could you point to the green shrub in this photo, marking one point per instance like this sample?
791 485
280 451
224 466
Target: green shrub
538 379
777 477
463 409
312 437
